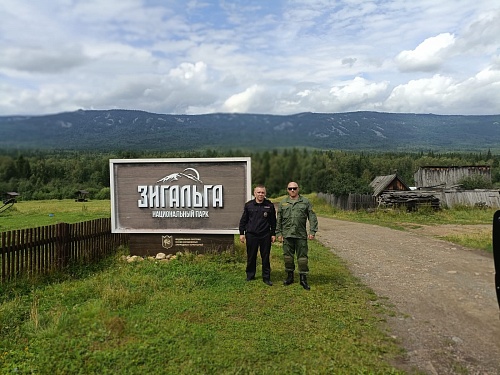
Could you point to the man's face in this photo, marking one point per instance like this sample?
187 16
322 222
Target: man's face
259 194
293 190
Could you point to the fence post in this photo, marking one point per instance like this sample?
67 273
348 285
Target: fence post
62 242
4 260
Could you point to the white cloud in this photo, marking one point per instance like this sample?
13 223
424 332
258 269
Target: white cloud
481 36
188 72
357 93
38 60
422 95
243 101
428 56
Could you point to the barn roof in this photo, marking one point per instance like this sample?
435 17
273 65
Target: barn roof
454 166
380 183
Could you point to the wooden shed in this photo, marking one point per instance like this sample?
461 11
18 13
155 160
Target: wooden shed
392 191
390 182
447 177
8 200
81 196
10 196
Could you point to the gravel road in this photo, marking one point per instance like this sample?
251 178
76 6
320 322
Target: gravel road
447 316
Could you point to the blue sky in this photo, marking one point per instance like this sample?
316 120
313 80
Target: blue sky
261 56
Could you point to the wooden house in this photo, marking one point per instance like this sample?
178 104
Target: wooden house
392 191
390 182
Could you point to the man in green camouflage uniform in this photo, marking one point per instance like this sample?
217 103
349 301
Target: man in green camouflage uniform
292 216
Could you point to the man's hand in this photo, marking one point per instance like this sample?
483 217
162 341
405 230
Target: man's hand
242 238
273 238
311 236
280 238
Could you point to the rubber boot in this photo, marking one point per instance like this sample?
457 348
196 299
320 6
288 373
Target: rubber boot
289 279
303 282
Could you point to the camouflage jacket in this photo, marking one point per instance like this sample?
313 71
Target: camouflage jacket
292 217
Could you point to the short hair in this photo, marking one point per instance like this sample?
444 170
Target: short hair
259 186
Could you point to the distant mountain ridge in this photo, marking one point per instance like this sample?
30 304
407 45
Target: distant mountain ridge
137 130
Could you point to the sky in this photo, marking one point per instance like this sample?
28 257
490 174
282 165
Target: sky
250 56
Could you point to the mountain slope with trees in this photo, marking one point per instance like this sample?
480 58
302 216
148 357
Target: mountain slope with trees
136 130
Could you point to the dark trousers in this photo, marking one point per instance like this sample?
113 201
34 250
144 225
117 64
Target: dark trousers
253 244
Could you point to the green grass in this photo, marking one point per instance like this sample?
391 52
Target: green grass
39 213
198 315
195 315
396 218
31 214
481 240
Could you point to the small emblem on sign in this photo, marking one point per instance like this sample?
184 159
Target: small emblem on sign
167 242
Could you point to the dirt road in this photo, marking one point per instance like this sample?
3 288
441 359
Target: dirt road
447 316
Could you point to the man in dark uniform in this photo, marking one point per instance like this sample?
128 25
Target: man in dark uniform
258 228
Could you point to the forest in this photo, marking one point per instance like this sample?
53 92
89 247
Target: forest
38 175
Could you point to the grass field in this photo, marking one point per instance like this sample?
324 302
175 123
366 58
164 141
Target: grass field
30 214
196 314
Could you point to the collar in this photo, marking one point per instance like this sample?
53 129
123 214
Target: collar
290 200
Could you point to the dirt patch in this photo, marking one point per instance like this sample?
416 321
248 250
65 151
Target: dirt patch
447 315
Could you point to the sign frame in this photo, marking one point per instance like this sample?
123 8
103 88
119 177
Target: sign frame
246 195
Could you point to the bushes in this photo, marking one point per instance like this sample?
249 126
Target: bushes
475 182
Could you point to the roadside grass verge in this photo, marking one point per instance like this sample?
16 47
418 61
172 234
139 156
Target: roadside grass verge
195 315
401 220
481 240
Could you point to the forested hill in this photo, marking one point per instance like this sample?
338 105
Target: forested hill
137 130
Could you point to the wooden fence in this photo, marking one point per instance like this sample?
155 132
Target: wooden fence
35 251
470 198
350 202
444 197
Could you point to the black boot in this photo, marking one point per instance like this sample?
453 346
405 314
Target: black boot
289 279
303 282
268 282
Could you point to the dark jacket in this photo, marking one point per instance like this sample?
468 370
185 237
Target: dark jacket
258 218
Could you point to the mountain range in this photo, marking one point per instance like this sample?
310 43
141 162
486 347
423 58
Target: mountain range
105 130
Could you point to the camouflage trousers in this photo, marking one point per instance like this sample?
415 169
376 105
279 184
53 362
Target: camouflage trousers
295 247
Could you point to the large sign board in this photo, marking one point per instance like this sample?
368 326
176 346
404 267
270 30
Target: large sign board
197 195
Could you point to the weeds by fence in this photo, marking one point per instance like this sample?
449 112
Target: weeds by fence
35 251
350 202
